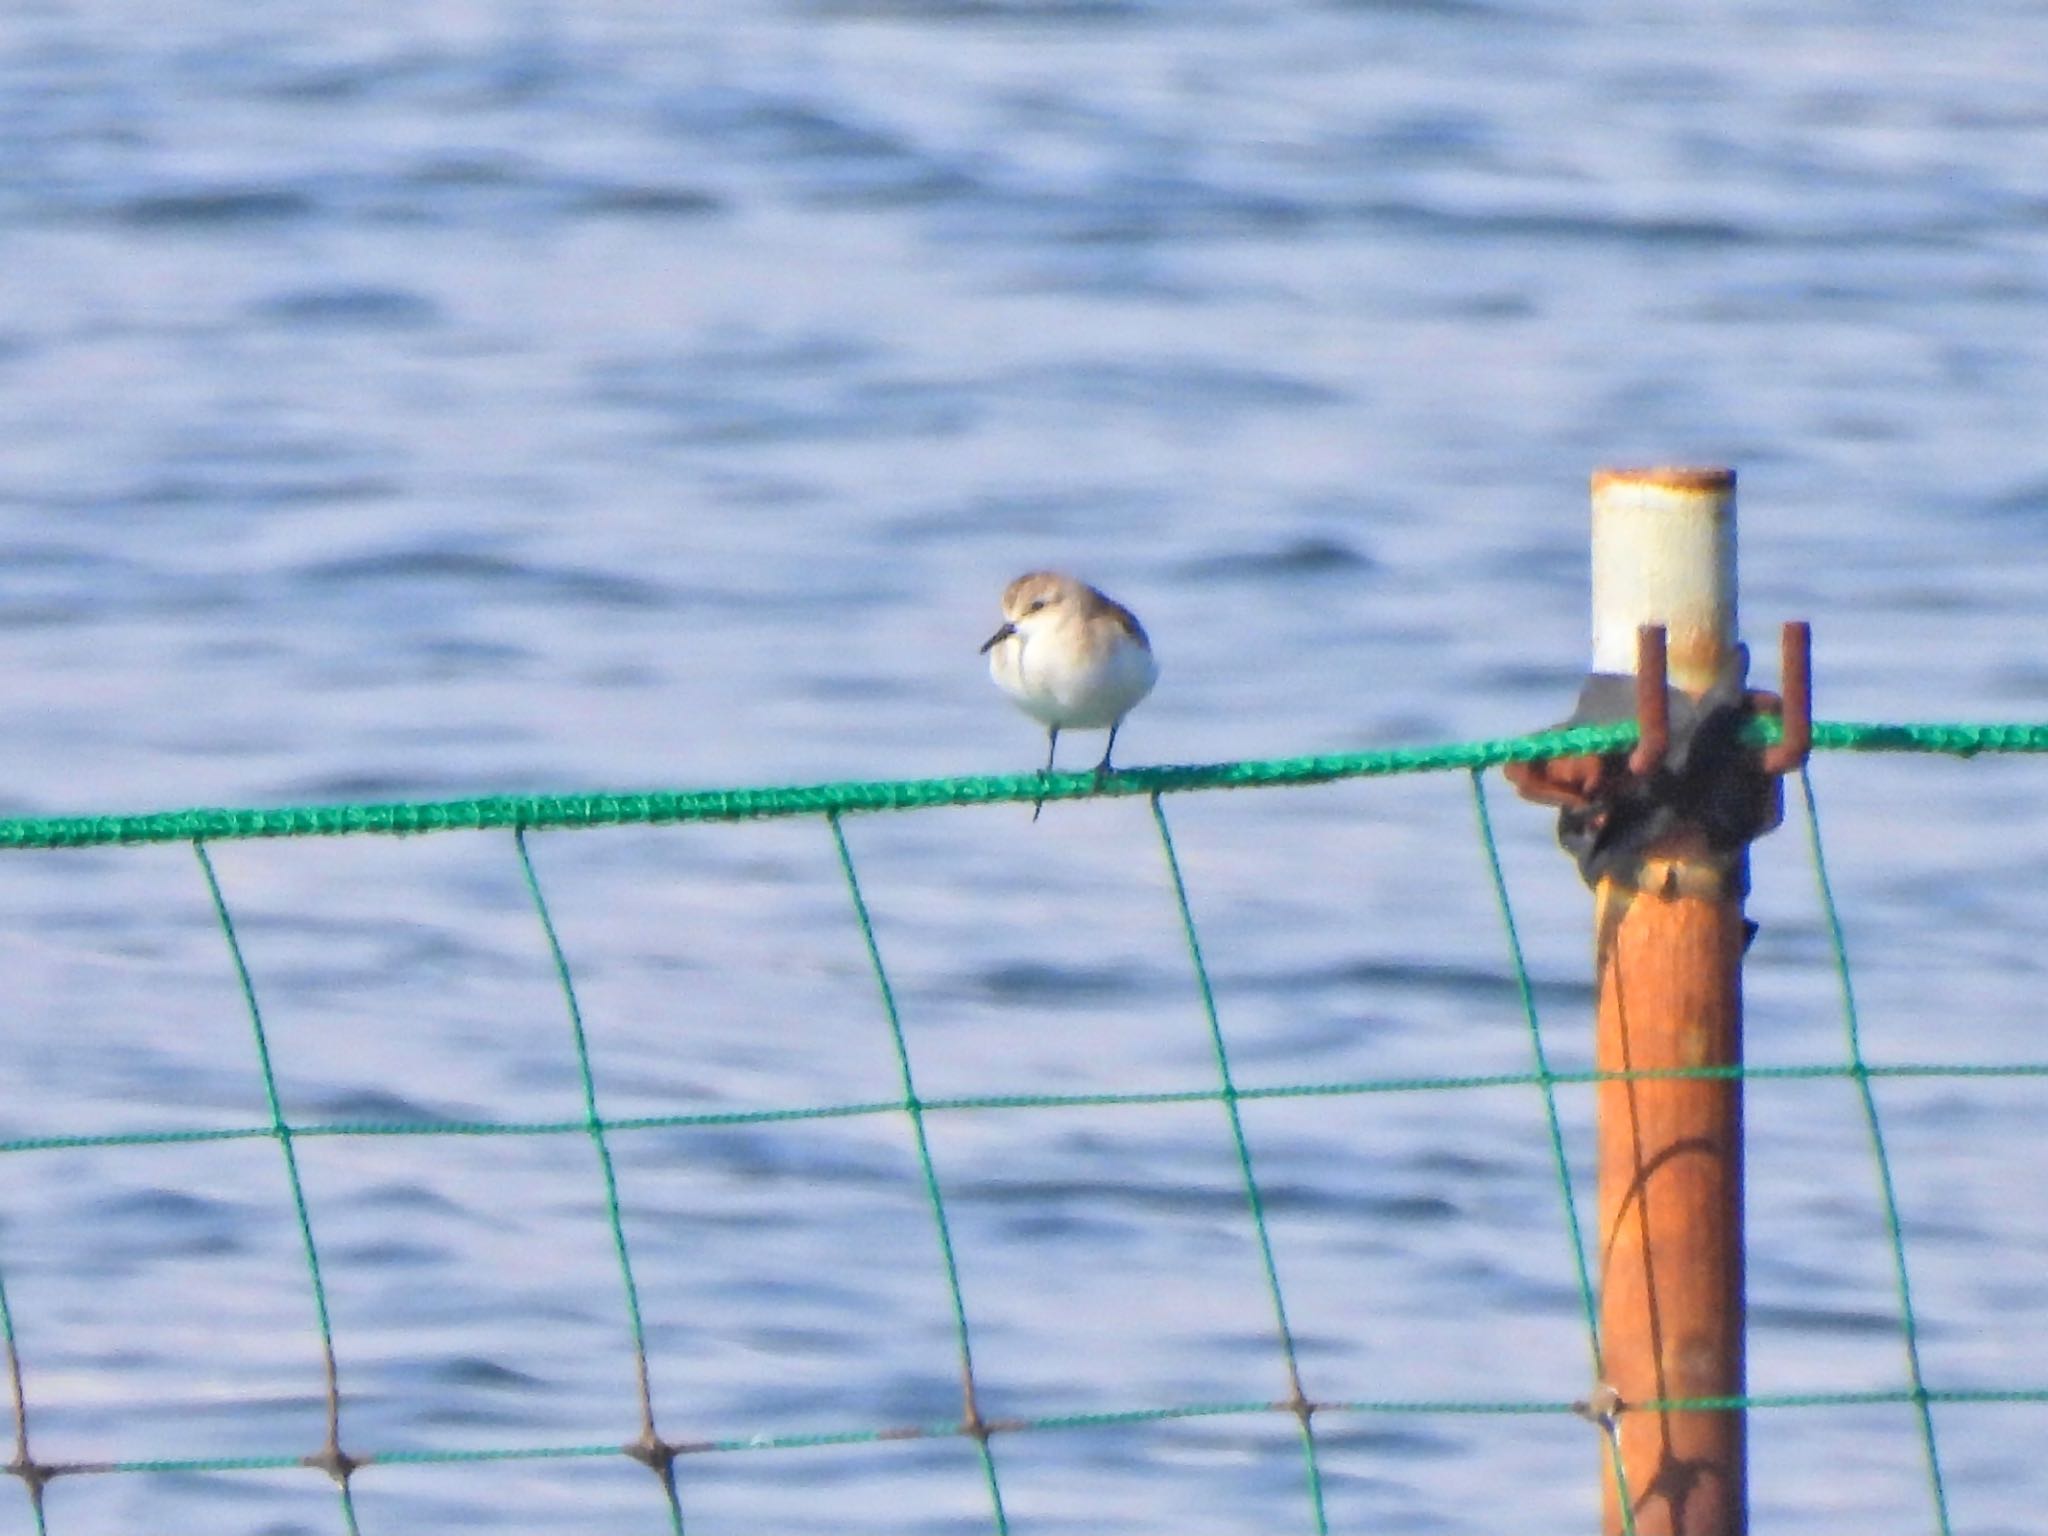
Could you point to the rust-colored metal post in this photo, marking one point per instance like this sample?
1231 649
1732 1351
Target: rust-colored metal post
1669 943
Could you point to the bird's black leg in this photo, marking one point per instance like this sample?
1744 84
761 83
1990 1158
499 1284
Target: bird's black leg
1052 747
1102 769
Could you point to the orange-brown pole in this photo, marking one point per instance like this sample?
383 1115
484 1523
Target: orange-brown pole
1668 948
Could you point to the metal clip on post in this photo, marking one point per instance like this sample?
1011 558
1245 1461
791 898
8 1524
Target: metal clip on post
1653 703
1585 784
1795 708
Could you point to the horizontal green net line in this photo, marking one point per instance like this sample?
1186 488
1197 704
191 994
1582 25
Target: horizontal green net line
1989 1396
732 1117
665 806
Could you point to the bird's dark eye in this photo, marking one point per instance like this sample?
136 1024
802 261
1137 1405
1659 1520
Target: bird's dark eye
1036 604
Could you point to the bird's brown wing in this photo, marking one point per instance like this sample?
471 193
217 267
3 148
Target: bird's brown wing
1126 619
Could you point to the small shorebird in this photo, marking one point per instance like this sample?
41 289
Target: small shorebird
1072 658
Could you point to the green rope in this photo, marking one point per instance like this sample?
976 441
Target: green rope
971 1422
1908 1323
1025 1101
1299 1402
539 812
281 1129
1938 740
1057 1422
1560 1163
651 1445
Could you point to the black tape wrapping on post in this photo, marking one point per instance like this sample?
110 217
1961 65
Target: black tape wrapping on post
1709 778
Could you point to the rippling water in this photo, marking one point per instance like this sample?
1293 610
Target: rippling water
541 397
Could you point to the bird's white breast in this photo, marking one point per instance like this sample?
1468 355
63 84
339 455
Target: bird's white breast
1060 679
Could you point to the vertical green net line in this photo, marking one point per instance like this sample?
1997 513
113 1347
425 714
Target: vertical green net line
332 1459
23 1466
972 1423
1908 1322
1298 1401
1561 1164
650 1449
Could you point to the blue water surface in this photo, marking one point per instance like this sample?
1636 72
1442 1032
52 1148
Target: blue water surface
404 401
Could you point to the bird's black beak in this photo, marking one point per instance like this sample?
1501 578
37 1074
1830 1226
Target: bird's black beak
997 638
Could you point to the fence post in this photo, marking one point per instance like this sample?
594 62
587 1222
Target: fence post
1669 938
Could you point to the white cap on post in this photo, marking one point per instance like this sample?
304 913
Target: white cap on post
1664 553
